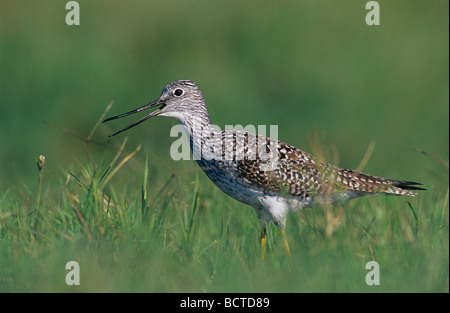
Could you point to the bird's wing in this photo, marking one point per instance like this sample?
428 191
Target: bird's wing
298 173
288 170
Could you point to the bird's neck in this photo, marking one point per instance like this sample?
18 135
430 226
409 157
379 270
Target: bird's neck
202 136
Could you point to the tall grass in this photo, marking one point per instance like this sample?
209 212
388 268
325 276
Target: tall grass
181 234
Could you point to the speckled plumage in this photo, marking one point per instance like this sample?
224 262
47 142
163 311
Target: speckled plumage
273 177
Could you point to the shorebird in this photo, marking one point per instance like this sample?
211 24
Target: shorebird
271 176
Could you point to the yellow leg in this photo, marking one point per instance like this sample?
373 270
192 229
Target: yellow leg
263 244
285 242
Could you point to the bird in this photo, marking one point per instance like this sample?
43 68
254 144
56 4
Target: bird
271 176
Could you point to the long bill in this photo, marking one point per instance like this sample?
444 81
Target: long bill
145 107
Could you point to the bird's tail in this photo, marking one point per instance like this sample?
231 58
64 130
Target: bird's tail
364 183
403 187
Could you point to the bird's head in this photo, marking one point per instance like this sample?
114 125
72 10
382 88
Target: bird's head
182 100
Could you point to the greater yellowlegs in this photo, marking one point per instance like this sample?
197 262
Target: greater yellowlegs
271 176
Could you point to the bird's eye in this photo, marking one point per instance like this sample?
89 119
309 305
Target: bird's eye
178 92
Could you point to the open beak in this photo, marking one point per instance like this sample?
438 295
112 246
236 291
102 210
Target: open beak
145 107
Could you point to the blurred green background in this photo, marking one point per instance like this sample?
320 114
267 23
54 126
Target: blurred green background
314 68
295 64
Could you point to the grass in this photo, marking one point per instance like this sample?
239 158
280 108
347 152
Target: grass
181 234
